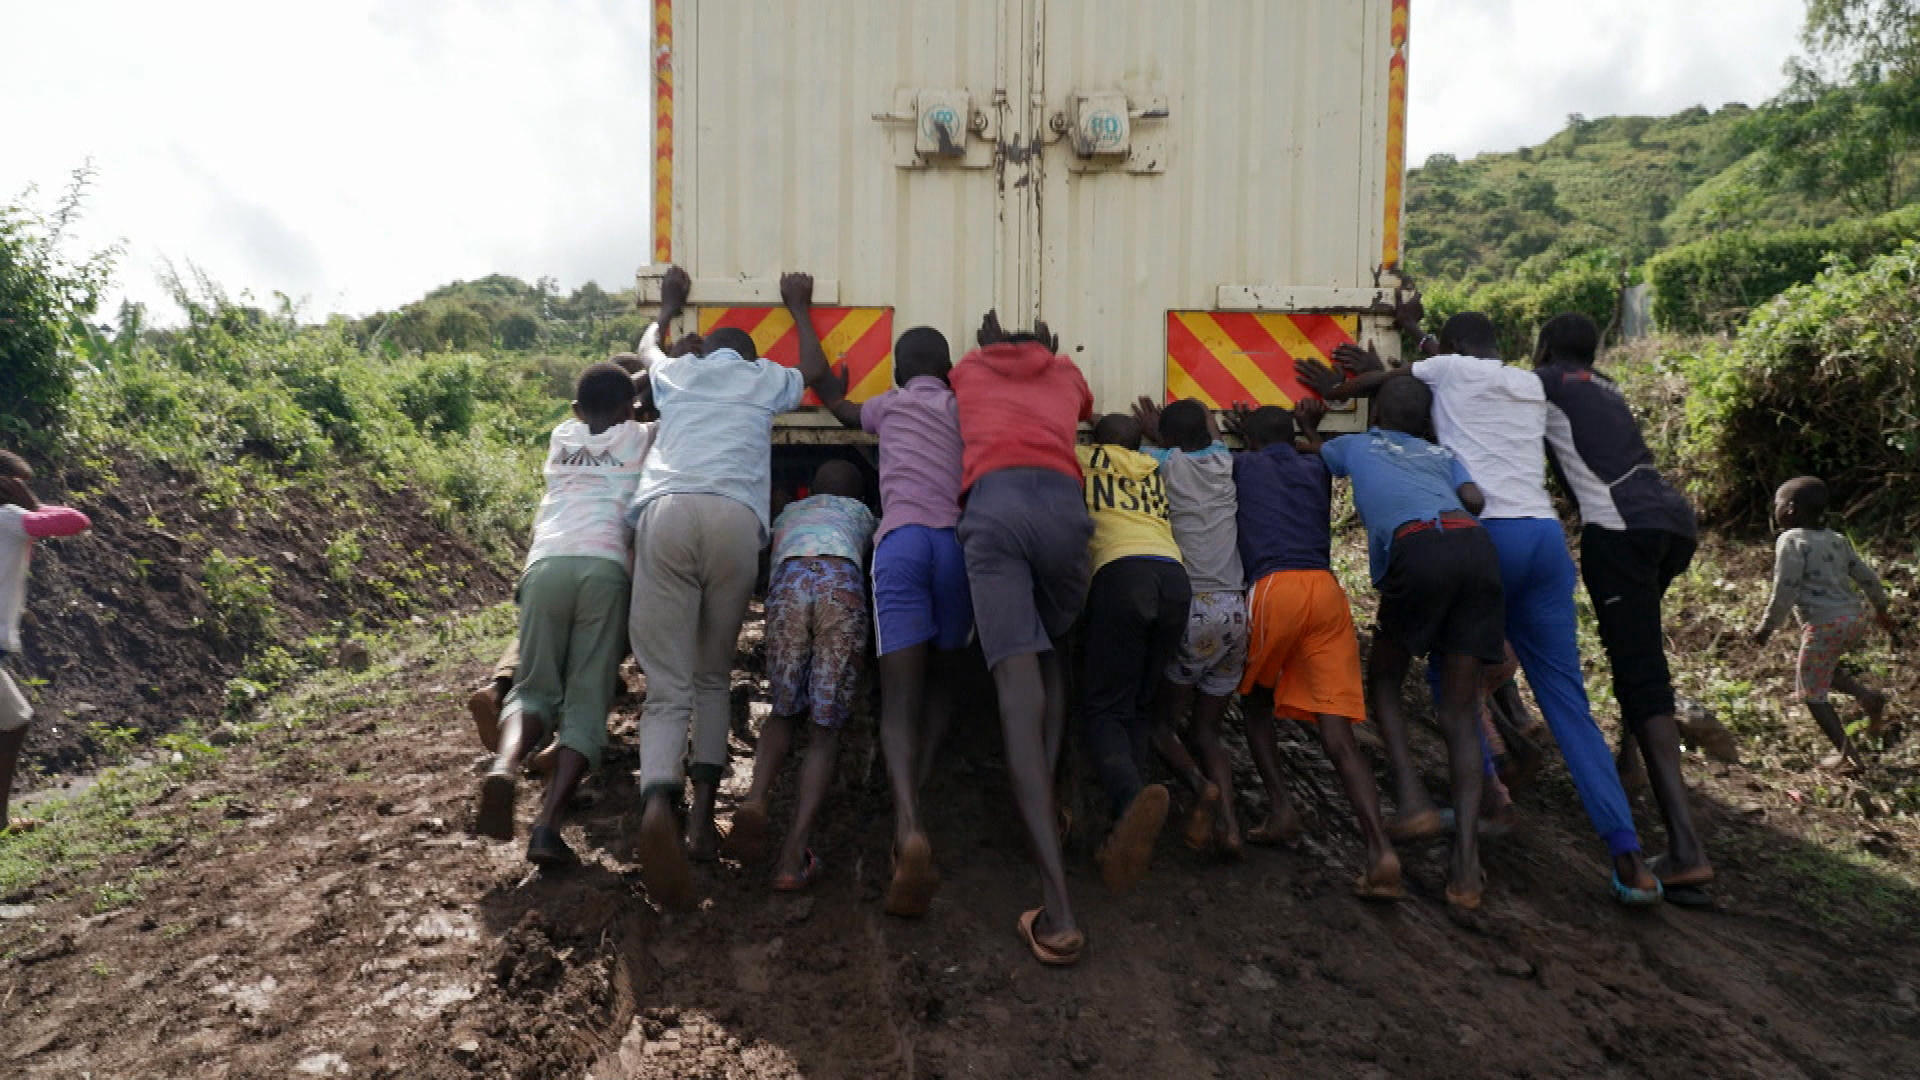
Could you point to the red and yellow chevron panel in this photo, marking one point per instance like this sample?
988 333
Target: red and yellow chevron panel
662 132
1223 357
858 341
1396 135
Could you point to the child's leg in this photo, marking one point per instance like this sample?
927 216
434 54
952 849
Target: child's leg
596 643
1121 607
1460 692
1209 712
1171 701
546 596
14 715
1382 876
903 693
839 643
1873 701
484 705
729 565
1283 824
1817 670
1538 576
790 604
1386 678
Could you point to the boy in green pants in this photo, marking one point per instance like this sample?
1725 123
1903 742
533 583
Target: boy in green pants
573 608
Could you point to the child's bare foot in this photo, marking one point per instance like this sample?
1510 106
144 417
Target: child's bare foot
703 838
484 705
663 864
1468 894
1875 703
494 818
747 839
1199 831
1129 848
1227 841
1676 875
1841 762
1282 829
914 878
1419 825
1381 881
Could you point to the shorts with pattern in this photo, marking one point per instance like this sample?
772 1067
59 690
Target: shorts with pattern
1213 654
816 637
1821 647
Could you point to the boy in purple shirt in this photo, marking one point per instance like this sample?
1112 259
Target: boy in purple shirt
923 610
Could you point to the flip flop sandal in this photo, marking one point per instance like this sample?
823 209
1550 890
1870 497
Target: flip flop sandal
915 880
1633 897
1678 881
495 816
747 838
1428 825
1366 890
546 849
1687 896
1269 834
809 873
1063 951
1468 900
1487 827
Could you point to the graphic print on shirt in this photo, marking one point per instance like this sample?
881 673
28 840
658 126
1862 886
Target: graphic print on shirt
585 457
1107 490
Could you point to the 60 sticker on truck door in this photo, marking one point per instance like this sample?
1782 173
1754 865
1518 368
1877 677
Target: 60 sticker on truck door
1223 357
858 341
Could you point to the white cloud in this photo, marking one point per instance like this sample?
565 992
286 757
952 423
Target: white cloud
356 153
1500 74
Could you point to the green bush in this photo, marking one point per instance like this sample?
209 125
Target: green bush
1518 308
240 592
1710 285
1823 380
44 296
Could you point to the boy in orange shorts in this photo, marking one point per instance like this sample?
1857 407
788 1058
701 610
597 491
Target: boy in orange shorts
1302 649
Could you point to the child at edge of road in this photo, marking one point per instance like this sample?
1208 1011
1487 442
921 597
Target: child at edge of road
1136 617
1440 595
573 598
1204 675
1024 534
1820 578
922 608
1303 656
816 640
23 519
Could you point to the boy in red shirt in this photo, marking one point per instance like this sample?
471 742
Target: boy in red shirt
1024 534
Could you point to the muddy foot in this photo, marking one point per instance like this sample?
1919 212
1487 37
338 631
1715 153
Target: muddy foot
1421 825
1129 849
484 706
1280 830
1381 881
495 816
663 865
914 878
747 839
1199 830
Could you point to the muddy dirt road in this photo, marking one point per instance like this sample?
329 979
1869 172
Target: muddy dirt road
315 906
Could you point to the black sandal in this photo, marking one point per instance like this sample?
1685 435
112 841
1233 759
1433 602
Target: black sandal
546 848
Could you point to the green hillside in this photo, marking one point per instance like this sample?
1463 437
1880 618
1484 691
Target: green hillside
1624 187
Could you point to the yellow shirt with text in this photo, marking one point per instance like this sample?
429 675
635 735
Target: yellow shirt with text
1128 501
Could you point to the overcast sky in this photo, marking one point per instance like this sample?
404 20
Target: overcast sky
356 153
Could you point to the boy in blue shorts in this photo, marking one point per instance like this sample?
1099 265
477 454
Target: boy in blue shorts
1440 594
816 643
923 610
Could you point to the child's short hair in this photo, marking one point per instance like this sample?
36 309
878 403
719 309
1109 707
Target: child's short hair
1570 336
1268 425
1807 494
1469 330
1183 425
1117 429
921 351
1404 405
732 337
603 390
12 464
839 477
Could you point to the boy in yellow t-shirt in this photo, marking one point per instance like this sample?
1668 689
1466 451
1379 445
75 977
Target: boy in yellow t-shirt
1136 615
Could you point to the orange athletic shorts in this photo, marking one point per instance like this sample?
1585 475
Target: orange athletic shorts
1304 647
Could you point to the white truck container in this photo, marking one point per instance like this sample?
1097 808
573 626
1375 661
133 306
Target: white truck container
1192 193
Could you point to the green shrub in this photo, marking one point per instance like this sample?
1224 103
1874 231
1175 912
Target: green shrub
1709 286
1518 308
44 296
240 593
1823 380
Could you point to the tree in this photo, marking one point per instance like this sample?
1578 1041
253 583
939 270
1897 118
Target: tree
518 331
462 329
45 298
1849 120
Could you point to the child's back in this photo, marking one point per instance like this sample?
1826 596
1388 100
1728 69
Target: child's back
1818 575
590 483
1204 506
1285 501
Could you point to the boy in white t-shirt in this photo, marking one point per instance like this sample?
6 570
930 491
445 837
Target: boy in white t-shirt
23 519
573 608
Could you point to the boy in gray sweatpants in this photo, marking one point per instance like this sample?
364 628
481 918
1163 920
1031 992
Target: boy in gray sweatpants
700 519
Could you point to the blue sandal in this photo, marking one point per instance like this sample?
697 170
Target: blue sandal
1633 897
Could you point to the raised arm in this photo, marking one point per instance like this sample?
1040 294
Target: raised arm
51 521
1869 582
796 291
1472 499
1307 415
1325 381
675 287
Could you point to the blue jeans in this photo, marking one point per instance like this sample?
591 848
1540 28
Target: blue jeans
1539 577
